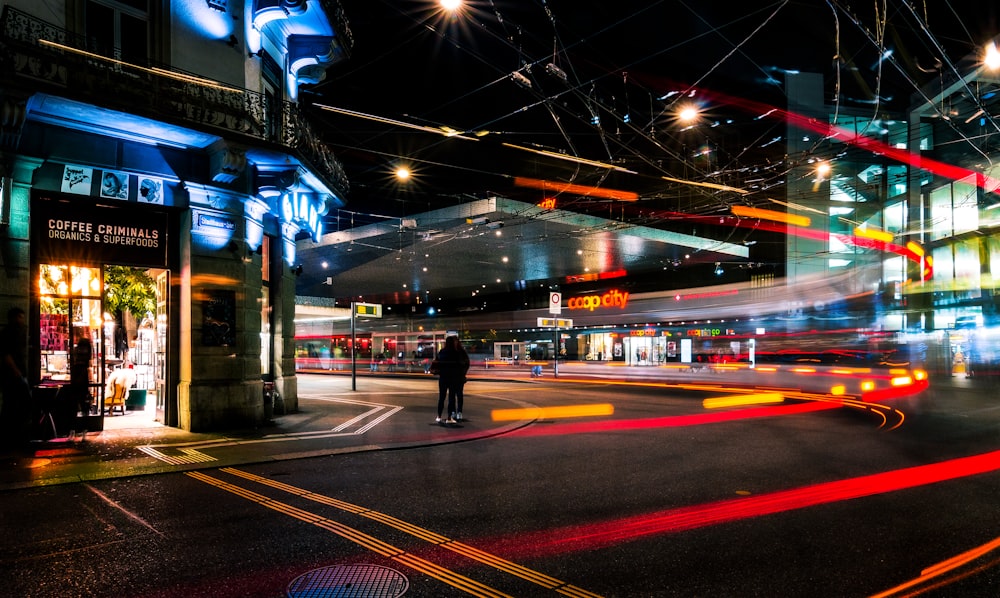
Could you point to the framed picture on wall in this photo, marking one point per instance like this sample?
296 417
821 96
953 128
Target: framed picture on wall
77 179
114 185
218 327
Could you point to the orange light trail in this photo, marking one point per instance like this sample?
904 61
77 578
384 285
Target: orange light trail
565 411
585 190
675 421
628 529
743 400
793 219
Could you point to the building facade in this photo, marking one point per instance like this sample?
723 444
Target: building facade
157 171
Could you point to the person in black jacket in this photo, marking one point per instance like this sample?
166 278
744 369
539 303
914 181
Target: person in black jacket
451 374
463 359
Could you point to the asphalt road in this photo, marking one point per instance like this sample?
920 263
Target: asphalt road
663 497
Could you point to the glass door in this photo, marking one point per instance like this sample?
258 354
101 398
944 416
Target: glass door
160 353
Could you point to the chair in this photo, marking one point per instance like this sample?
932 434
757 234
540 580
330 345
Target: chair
116 398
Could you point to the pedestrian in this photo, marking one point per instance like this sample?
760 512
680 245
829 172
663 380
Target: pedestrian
79 399
450 371
464 363
15 413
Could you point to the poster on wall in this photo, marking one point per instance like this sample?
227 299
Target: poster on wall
77 179
218 327
150 190
114 185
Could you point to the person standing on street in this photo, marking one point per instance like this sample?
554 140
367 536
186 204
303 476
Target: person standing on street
464 363
448 367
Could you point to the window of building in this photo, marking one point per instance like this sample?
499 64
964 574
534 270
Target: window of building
265 307
119 29
966 211
941 214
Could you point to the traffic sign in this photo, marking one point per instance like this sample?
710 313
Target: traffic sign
554 323
371 310
555 303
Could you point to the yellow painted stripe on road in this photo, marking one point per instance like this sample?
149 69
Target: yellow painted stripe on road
458 547
453 579
362 539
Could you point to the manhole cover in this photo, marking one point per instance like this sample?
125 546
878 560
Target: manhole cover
349 581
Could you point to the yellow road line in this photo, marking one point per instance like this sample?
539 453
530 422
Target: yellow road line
449 577
475 554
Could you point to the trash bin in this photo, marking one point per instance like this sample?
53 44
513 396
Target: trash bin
136 400
272 399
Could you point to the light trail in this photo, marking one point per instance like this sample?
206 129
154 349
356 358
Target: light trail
674 421
756 398
629 529
561 412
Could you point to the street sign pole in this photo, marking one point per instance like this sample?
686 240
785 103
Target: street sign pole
555 308
354 349
555 368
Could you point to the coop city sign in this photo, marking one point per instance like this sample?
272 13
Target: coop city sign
613 298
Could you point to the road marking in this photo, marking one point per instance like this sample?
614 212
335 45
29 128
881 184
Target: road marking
190 455
362 539
475 554
378 413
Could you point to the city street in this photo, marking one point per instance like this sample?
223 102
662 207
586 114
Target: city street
659 497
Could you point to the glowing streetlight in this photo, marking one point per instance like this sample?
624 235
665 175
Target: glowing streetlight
688 114
992 59
451 5
402 173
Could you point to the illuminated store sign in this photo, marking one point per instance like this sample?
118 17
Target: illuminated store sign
646 332
300 209
88 233
711 332
613 298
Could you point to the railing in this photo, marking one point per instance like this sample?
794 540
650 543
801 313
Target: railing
44 57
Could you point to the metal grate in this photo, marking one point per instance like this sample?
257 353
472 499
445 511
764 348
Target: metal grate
349 581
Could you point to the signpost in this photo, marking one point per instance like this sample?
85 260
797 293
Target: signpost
555 308
369 310
555 323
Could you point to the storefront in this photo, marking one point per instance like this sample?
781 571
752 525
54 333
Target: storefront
103 277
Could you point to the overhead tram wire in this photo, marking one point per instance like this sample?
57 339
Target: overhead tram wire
548 102
918 89
545 100
951 65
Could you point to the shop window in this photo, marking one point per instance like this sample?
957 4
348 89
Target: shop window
944 268
266 342
941 215
69 310
966 209
967 268
895 217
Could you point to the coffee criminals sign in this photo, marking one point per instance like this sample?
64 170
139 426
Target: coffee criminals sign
98 234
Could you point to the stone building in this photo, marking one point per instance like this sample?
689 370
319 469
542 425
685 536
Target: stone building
157 170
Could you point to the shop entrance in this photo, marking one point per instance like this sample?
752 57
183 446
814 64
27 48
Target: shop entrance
121 313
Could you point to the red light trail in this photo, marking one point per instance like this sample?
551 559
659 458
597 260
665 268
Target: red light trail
609 533
675 421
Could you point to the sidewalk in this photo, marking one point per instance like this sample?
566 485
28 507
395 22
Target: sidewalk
330 422
324 425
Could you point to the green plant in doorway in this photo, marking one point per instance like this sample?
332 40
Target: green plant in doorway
129 289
